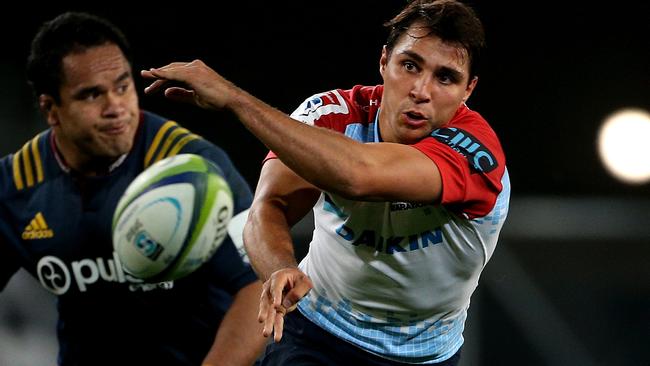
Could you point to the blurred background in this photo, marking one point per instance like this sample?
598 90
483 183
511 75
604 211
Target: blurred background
569 283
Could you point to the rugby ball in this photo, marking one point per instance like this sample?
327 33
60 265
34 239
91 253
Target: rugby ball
171 218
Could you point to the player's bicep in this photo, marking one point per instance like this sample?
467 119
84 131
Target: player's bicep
399 173
280 186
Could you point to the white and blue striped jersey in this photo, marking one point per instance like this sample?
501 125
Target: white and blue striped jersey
395 278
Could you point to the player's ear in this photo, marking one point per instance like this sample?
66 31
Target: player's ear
383 60
47 105
470 88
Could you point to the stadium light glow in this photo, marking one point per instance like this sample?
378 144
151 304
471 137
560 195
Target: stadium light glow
624 145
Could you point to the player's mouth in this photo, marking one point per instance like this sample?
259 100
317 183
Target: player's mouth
414 119
116 128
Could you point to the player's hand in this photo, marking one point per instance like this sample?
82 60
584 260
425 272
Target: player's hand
280 295
191 82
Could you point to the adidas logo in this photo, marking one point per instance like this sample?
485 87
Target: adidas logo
37 229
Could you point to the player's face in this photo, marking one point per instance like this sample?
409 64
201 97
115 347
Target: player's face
98 113
425 81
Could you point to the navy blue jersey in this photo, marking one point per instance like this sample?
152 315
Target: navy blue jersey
57 226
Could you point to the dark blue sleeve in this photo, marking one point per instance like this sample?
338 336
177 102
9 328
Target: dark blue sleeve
226 269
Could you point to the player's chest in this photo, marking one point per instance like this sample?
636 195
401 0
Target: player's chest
67 219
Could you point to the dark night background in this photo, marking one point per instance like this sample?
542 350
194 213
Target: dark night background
570 282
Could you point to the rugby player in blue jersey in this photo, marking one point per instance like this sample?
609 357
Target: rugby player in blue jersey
57 197
409 190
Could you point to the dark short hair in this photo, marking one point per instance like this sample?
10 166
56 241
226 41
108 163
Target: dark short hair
451 20
70 32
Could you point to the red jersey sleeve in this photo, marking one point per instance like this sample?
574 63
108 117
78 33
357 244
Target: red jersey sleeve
471 163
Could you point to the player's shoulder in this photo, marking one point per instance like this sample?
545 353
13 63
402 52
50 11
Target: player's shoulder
473 123
27 167
356 104
163 137
470 134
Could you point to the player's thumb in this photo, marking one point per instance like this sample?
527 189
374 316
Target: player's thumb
291 298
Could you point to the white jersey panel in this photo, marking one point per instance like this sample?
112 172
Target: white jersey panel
396 278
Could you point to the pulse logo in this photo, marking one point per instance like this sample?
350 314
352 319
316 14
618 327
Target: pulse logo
57 277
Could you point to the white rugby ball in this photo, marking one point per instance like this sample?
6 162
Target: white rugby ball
172 218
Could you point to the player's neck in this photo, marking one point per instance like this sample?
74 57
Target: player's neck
71 160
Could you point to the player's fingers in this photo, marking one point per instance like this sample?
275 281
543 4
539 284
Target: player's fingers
264 303
167 68
261 315
277 286
176 70
157 84
269 322
147 74
278 326
180 94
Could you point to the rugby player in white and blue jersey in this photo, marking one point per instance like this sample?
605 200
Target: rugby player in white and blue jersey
409 190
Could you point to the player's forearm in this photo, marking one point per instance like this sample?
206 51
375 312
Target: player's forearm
239 340
327 159
268 240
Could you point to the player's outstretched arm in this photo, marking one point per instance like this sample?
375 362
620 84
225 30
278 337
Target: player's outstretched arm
327 159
